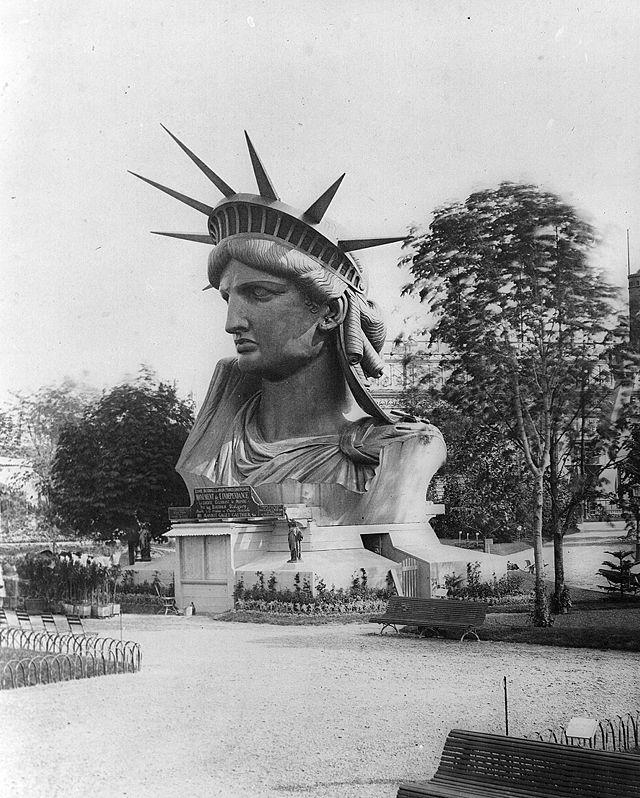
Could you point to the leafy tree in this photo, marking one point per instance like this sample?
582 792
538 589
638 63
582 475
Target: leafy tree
17 514
29 429
118 461
486 484
629 478
9 433
534 344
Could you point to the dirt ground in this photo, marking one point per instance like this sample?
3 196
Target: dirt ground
227 709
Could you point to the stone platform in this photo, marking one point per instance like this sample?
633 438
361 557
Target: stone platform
214 556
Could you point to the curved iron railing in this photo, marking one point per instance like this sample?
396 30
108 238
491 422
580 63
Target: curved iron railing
62 657
621 733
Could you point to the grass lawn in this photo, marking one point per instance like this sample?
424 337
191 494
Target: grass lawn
596 621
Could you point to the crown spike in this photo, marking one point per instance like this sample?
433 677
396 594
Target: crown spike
199 206
364 243
218 182
202 239
265 186
316 211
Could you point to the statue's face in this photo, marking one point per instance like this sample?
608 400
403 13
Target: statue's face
274 331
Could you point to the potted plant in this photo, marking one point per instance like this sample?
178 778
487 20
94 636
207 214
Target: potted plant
97 585
82 605
101 610
82 608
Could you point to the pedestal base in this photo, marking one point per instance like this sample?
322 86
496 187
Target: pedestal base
214 557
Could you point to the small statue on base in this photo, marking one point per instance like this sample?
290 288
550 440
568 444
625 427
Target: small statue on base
294 538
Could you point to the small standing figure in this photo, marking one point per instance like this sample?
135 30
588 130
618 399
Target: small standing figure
133 541
294 538
144 539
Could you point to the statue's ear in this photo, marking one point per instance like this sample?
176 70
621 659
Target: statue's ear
334 314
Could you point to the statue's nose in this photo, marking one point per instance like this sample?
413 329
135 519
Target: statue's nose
236 318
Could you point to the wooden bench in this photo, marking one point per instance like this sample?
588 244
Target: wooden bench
434 614
477 765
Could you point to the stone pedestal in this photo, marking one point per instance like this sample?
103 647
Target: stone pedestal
214 556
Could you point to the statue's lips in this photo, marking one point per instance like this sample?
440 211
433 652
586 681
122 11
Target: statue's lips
245 345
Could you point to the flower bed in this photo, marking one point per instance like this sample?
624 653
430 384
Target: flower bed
265 597
319 607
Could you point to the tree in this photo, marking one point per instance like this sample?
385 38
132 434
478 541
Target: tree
118 462
29 430
486 485
533 336
629 478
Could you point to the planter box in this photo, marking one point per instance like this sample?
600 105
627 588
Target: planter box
83 610
35 606
116 609
68 609
101 610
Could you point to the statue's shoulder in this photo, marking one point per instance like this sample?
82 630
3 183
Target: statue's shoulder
229 390
228 383
370 435
226 368
401 426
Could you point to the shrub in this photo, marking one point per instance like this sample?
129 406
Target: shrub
496 589
138 598
618 574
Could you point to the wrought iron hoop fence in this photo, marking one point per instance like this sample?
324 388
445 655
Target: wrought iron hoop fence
621 733
63 657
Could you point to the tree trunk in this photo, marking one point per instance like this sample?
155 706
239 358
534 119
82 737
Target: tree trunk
559 605
558 565
541 607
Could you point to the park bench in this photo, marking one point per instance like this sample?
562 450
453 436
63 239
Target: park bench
478 765
434 614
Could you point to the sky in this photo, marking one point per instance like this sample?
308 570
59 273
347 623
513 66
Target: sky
420 103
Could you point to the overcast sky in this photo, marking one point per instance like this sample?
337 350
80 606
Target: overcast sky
418 102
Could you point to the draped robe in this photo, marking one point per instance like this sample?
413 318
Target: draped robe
366 472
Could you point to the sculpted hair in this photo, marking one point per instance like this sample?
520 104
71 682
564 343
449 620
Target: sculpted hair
364 328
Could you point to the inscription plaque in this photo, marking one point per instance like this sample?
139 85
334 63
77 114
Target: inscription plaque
233 503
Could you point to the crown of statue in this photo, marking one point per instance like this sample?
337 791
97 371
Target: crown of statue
265 215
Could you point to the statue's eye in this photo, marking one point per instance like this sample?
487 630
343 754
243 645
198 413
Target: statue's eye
257 292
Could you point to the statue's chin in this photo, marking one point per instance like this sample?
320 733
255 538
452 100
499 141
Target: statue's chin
273 372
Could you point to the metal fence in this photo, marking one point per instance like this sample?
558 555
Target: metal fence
616 734
63 657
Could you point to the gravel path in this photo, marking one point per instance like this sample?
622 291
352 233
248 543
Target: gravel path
224 709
